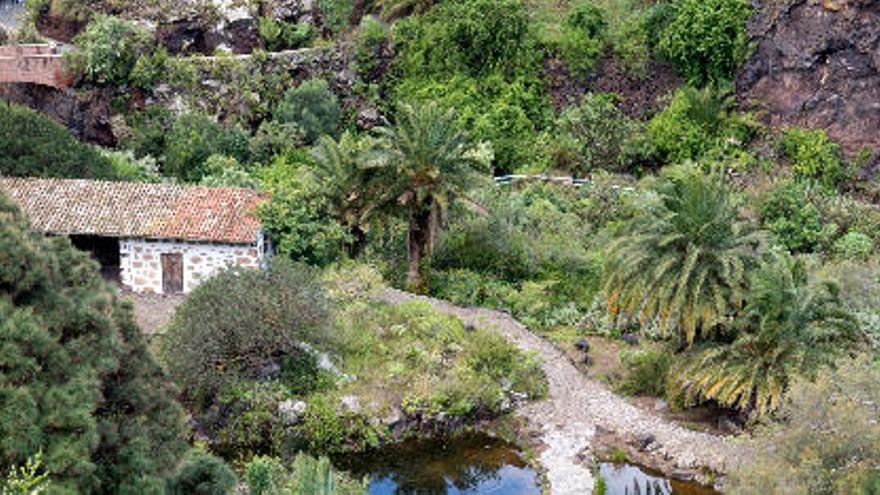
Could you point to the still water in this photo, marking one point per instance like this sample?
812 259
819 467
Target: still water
626 479
10 12
479 464
466 465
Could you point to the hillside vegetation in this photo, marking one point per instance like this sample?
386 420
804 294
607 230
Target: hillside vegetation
728 237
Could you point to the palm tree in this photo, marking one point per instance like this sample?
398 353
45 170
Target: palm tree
682 260
429 162
789 328
344 169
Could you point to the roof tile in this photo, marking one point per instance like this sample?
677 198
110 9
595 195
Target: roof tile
135 209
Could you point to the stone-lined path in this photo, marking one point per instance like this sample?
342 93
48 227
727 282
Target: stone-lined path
575 406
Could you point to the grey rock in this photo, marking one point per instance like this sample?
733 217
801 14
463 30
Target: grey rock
350 404
582 345
292 411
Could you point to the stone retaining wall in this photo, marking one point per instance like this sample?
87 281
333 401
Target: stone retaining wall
36 64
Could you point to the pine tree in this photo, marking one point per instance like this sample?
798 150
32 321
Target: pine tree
77 382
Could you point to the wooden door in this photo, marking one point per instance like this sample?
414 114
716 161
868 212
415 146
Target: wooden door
172 273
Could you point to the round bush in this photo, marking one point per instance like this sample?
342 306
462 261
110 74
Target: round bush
706 39
202 474
241 323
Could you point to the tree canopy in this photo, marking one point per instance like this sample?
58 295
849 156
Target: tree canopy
78 383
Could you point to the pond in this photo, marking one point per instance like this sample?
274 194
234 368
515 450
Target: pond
627 479
10 12
465 465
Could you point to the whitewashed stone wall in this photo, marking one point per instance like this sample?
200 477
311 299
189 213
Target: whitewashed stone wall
141 262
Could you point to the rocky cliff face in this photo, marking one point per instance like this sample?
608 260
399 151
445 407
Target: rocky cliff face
817 64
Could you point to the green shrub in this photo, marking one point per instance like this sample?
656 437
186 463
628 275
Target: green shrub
202 474
272 139
298 217
108 50
373 37
312 107
646 372
282 35
149 130
150 69
247 319
813 155
335 14
582 38
706 39
598 131
225 171
472 37
127 167
195 137
698 124
265 476
35 146
790 213
854 245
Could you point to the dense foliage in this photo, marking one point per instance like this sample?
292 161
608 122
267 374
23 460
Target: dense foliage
706 39
683 260
78 382
311 107
35 146
108 49
790 329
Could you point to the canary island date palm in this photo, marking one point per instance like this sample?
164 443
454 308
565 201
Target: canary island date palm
788 328
429 161
682 261
345 169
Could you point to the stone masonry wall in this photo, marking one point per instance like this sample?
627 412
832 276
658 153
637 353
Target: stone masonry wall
141 264
38 64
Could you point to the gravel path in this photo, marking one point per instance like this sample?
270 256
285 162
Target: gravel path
576 406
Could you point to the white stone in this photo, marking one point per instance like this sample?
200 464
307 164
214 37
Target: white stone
292 411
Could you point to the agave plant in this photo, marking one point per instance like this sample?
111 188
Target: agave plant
789 328
317 477
682 261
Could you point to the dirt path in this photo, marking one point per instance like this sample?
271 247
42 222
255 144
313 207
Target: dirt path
576 406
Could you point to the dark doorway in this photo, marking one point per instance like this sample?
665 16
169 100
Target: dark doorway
104 250
172 273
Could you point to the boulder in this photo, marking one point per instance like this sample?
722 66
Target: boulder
350 404
816 67
292 411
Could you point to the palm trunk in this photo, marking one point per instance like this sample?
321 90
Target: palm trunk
418 239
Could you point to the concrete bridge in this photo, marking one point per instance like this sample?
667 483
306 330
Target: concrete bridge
36 64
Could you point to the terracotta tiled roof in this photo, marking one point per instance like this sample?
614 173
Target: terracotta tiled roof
133 209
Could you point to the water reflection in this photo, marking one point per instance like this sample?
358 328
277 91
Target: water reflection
626 479
466 465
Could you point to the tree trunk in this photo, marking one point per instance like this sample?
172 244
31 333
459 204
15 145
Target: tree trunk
358 242
417 240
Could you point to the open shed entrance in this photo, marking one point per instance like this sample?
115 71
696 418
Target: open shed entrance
104 250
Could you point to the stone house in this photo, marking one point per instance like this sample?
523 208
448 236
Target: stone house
150 238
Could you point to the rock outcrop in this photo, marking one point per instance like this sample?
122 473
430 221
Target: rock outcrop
817 67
